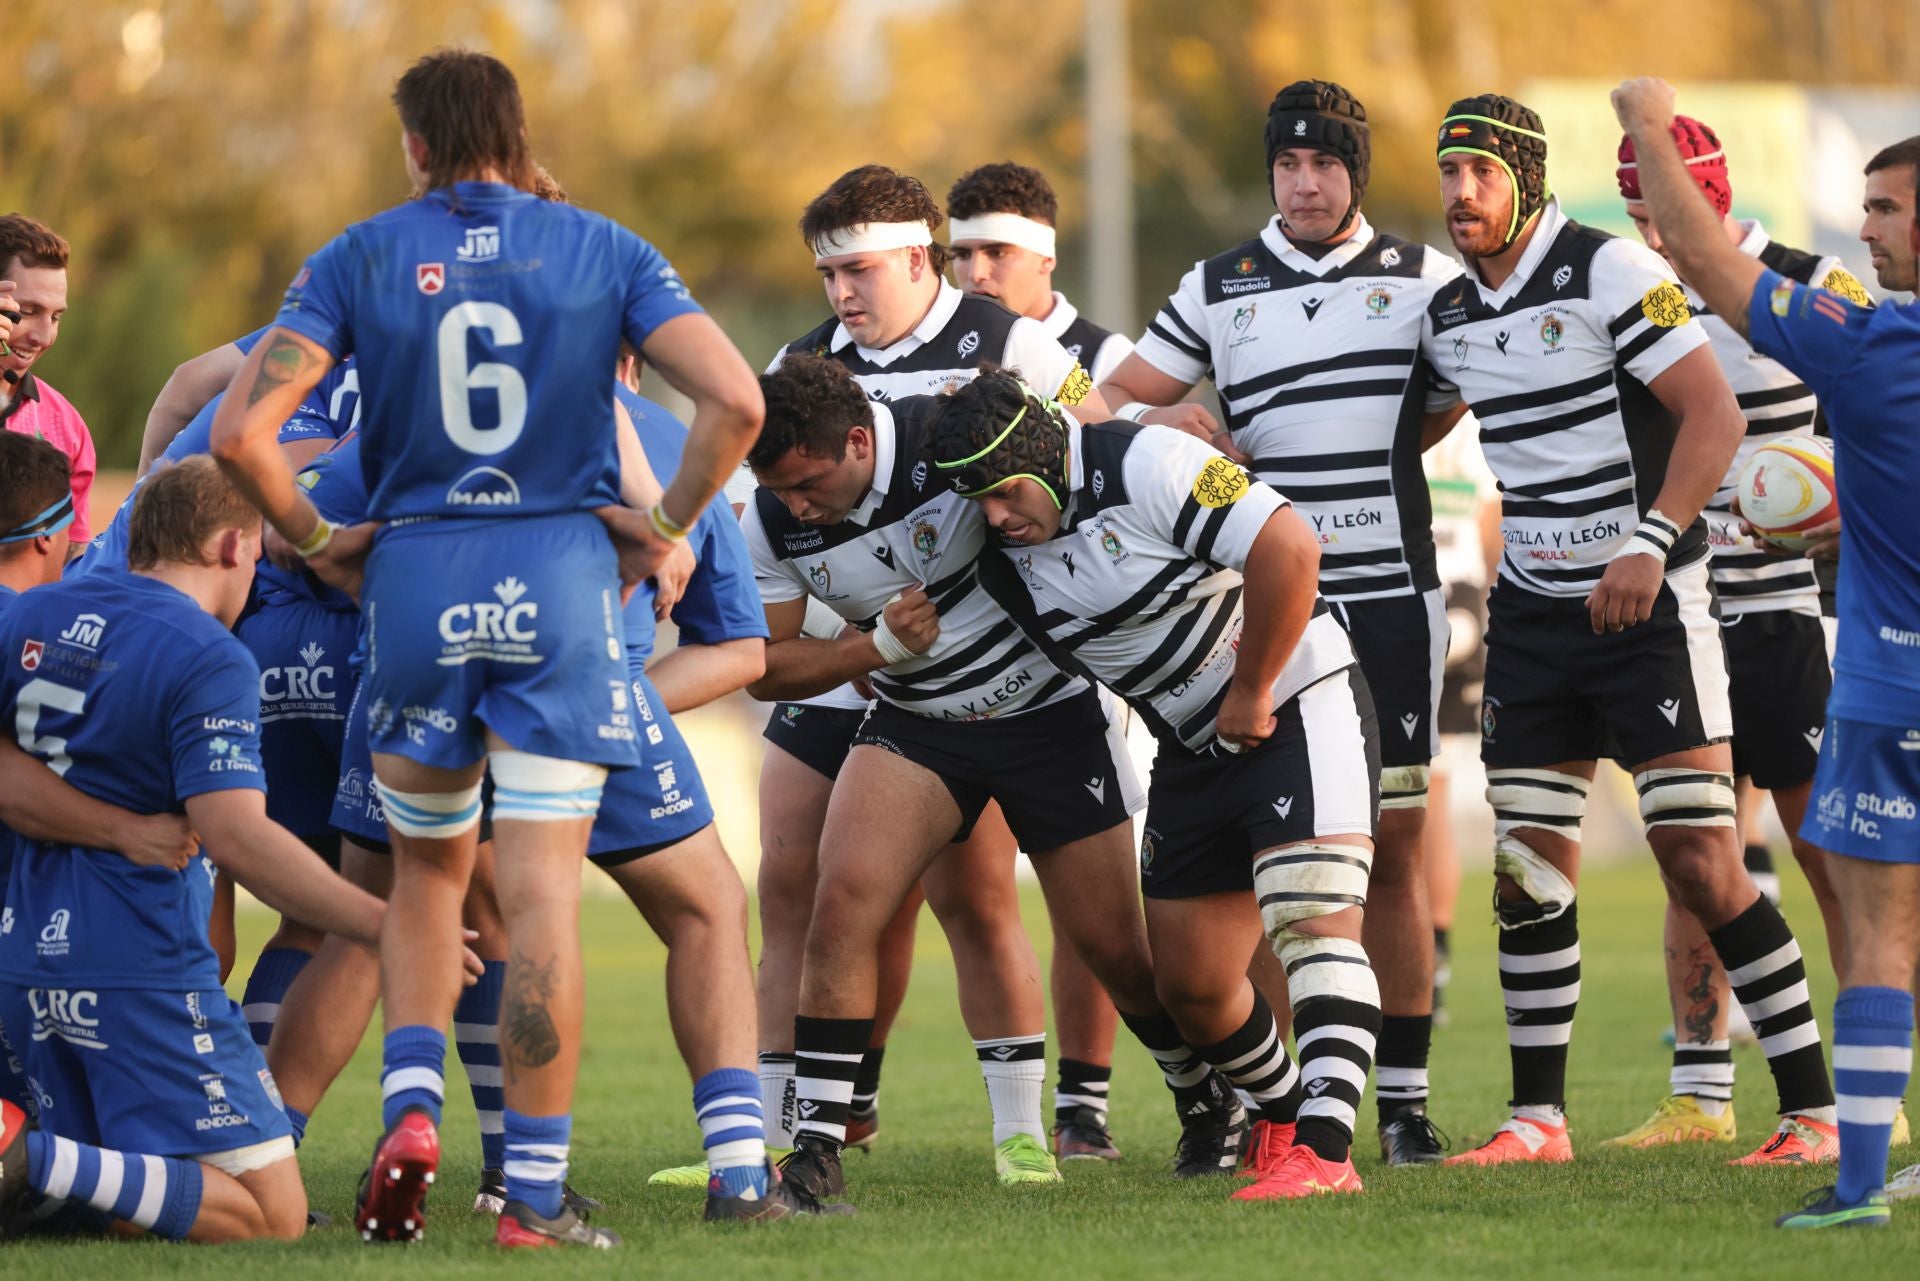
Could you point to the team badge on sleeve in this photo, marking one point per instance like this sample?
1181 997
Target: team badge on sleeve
1076 385
1847 285
1220 483
1665 305
1782 297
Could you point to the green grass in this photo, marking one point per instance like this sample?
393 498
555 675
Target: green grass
929 1208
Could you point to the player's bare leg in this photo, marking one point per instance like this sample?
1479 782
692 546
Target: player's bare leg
1398 937
1687 802
1085 1024
1443 882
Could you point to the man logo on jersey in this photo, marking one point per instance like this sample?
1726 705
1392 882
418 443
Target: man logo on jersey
31 653
484 487
1665 305
431 277
1220 483
1551 332
483 245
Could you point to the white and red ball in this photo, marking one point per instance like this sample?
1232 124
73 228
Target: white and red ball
1787 488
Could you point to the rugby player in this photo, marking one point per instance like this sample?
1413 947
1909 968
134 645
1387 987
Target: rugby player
1610 426
1776 646
1310 332
1159 565
1861 364
490 591
155 1107
1002 240
968 712
36 511
901 329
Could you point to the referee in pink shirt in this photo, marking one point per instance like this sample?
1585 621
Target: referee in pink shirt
33 265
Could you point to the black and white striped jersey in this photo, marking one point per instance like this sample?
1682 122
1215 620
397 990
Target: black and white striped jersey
1142 586
1555 364
1317 363
906 532
945 350
1776 404
1100 350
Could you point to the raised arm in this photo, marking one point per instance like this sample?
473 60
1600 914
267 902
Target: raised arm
188 389
266 391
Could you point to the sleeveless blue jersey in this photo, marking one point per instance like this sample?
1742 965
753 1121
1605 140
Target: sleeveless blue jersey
485 322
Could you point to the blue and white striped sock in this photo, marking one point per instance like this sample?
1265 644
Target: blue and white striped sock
412 1073
1872 1059
476 1034
157 1193
272 975
726 1102
536 1160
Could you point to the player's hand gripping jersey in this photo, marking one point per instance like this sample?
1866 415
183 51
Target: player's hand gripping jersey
909 530
1555 364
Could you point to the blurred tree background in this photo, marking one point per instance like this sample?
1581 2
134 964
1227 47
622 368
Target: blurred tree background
194 151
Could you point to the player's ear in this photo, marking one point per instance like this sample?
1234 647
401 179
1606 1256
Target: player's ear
230 548
860 442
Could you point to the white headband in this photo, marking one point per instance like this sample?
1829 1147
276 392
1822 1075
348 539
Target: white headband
1004 229
871 238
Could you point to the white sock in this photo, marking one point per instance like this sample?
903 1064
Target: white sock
1015 1069
777 1101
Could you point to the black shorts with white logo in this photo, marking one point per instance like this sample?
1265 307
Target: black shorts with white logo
1557 692
816 736
1054 770
1209 813
1401 644
1779 681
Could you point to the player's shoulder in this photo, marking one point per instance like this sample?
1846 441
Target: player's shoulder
817 341
1391 256
1614 256
1249 267
1109 457
984 325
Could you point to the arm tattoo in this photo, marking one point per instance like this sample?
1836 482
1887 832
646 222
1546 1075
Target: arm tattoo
530 1036
285 360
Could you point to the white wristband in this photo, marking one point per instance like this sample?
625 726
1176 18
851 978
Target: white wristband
1655 537
1133 410
892 648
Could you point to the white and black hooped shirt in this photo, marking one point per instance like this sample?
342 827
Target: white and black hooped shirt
906 532
1317 362
1556 365
1100 350
1142 583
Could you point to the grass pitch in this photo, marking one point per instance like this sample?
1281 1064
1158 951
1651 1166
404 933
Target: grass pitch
930 1209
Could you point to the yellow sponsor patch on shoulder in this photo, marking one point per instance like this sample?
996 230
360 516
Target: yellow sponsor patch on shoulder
1220 482
1781 299
1076 386
1847 285
1665 305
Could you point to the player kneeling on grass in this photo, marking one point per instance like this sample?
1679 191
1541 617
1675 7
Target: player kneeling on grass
1149 558
155 1107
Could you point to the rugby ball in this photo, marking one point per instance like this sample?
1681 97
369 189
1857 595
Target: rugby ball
1787 488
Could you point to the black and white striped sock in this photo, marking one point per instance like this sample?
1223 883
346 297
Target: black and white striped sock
827 1054
1255 1060
1770 981
1181 1066
1704 1070
1336 1031
1400 1075
1081 1085
1540 983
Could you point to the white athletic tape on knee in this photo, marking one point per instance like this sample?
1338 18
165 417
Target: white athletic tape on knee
1299 882
1318 968
1541 881
1537 798
1404 787
1685 798
544 789
436 816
